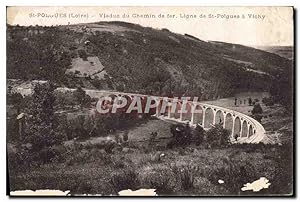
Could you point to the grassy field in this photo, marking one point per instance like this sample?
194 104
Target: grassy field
192 170
182 171
139 134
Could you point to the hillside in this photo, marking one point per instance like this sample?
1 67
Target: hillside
131 58
283 51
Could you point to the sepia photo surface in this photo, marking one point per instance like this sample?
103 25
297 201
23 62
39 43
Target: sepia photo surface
150 101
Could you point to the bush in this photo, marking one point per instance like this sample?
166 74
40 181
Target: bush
152 138
234 174
19 159
65 99
185 174
198 135
257 117
257 109
82 54
24 157
257 112
82 98
268 101
282 181
120 161
12 127
14 98
181 135
217 136
125 136
107 144
124 179
41 125
163 180
80 127
77 153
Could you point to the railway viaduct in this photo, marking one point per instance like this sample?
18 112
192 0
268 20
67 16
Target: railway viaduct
247 129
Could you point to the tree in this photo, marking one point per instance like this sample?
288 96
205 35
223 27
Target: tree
82 98
268 101
45 56
181 135
41 127
257 112
257 109
217 136
198 135
15 99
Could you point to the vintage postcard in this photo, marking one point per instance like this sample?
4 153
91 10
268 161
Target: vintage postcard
150 101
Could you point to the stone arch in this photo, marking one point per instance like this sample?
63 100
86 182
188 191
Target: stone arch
158 108
228 122
129 100
152 102
117 100
168 110
209 116
250 130
176 114
237 126
188 115
244 129
198 115
143 101
219 117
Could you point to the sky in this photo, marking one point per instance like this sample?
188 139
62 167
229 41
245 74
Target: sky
253 26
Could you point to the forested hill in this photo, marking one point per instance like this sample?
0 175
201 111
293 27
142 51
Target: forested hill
131 58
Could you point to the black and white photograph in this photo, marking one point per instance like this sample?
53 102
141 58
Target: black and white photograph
150 101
